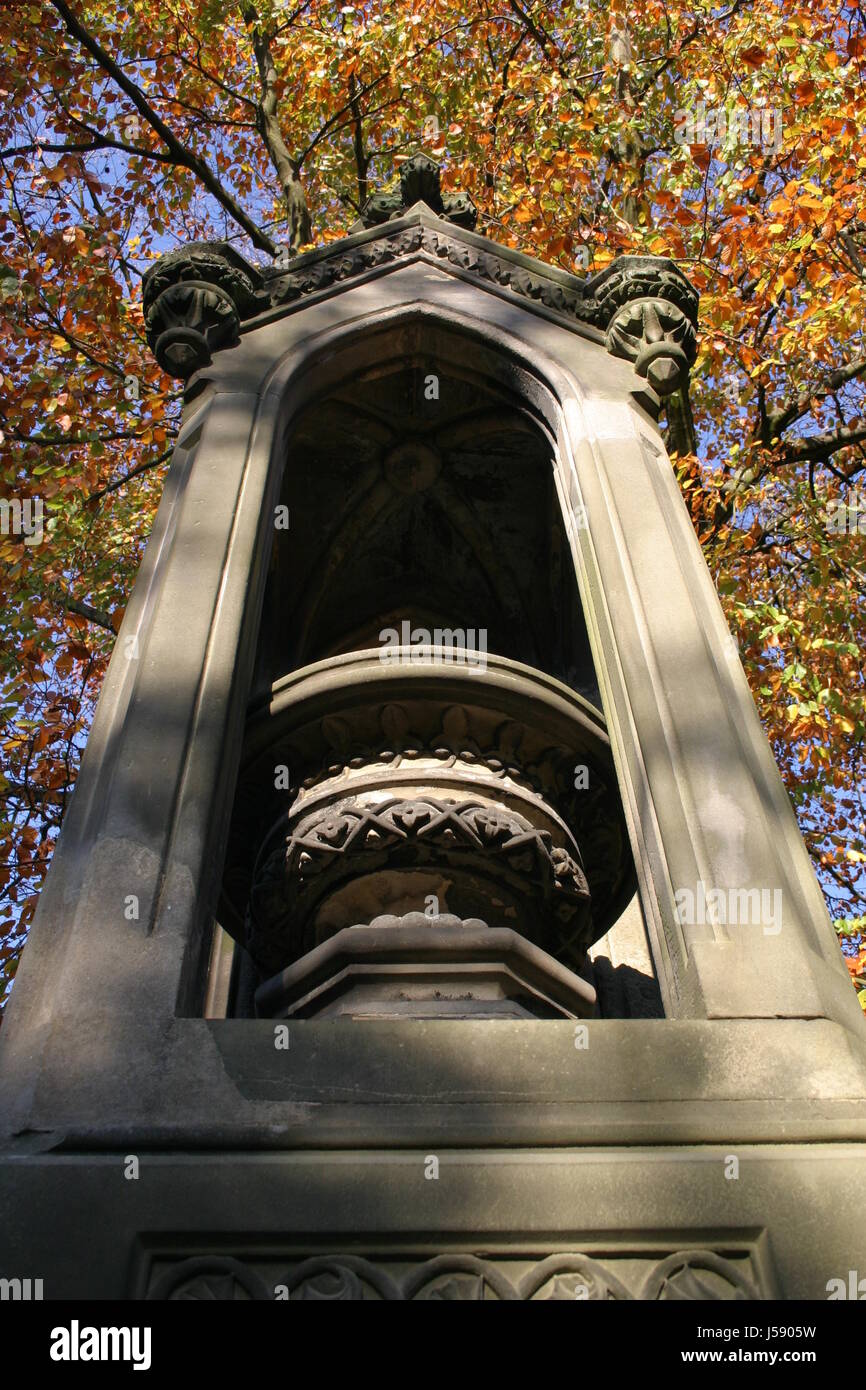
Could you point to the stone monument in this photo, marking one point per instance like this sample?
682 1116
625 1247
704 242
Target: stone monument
430 919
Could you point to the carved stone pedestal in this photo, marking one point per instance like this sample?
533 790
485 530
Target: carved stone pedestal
425 787
438 968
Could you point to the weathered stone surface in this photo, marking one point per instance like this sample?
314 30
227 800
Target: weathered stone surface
426 970
612 1133
644 1223
643 304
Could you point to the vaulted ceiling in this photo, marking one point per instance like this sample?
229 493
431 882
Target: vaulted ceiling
417 495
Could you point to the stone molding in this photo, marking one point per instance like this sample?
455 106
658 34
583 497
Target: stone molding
426 968
643 306
694 1275
337 844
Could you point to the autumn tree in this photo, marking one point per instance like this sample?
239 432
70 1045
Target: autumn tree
731 139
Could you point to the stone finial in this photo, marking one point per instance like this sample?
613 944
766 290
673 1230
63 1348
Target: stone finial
420 180
194 299
650 311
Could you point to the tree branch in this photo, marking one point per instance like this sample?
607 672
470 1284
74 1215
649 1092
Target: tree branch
268 126
182 156
86 610
127 477
97 142
362 162
778 420
823 446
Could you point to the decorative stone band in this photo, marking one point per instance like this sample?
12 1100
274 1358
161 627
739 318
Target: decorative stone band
601 302
694 1275
483 853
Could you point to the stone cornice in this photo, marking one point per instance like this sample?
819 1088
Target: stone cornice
199 298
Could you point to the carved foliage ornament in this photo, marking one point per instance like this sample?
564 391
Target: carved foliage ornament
194 300
420 183
643 304
651 314
549 771
658 339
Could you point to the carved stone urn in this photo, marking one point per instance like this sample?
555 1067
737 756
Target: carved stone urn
433 794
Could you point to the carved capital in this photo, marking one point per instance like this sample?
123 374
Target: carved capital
194 300
650 311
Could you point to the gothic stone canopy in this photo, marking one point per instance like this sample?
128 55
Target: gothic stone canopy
203 296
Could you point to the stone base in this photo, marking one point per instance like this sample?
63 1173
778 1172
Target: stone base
650 1223
428 971
640 1159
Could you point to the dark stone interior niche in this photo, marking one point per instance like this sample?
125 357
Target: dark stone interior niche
419 495
440 512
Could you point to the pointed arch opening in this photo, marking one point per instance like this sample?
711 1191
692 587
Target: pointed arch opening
388 778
